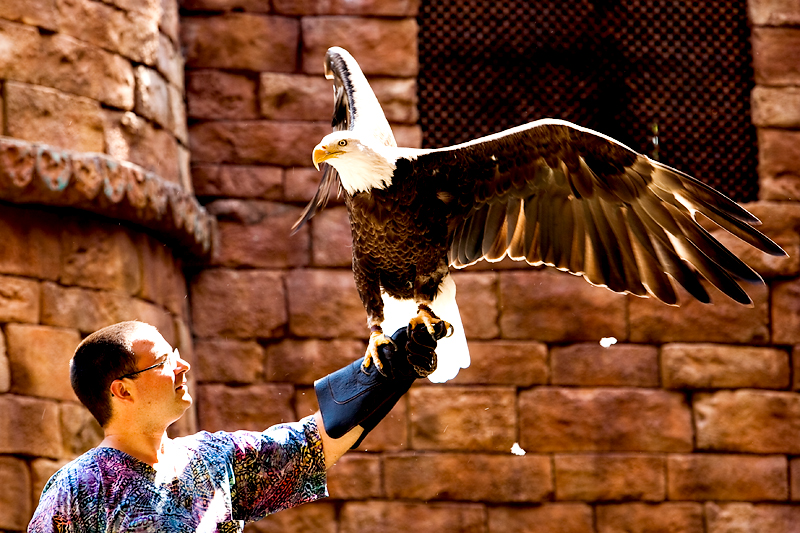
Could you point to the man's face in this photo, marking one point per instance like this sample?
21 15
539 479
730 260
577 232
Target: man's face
162 391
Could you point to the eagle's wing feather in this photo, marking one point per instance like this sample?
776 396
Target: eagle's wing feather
553 193
355 106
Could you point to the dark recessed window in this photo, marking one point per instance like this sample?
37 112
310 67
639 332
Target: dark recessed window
623 68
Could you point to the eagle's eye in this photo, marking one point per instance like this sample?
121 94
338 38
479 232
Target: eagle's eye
342 143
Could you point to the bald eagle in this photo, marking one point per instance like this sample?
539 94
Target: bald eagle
547 192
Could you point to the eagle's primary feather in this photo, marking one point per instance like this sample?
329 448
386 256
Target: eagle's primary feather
548 192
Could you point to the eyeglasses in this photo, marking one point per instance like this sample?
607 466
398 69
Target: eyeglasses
173 360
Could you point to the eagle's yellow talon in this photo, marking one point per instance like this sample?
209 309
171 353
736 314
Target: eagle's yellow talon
427 317
376 338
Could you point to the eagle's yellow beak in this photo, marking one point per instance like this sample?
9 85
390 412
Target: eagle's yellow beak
322 154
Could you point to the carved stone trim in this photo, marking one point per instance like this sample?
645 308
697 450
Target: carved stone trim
32 173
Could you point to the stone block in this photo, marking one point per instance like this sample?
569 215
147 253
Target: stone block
381 46
151 314
296 361
391 434
238 303
552 306
84 309
796 367
150 8
356 476
748 421
253 407
21 45
463 418
407 135
773 50
773 12
720 366
39 357
254 6
169 61
133 34
50 116
169 22
19 300
320 518
129 137
591 365
99 257
5 367
214 94
80 429
747 517
727 477
152 96
41 13
162 278
294 96
305 401
477 296
241 41
228 360
89 310
178 123
794 479
401 517
331 240
553 517
608 477
777 107
778 164
15 488
382 8
635 517
398 98
303 97
519 363
476 477
255 142
31 243
29 426
725 321
556 419
785 309
325 304
234 181
73 66
300 184
254 233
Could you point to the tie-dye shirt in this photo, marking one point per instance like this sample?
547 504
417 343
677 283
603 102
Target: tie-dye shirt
215 482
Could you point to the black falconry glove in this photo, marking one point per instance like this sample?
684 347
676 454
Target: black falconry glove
353 396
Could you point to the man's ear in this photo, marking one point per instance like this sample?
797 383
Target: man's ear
120 391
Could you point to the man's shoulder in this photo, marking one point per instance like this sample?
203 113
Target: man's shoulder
85 466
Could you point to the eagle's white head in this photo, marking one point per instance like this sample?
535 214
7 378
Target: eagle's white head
362 165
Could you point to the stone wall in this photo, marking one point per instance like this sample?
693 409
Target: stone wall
690 423
97 215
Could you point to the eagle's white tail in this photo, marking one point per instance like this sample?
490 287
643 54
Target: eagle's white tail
452 352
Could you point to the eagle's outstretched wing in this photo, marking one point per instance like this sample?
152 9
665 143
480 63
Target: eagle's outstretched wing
355 108
553 193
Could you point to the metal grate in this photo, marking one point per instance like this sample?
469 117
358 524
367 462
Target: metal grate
620 67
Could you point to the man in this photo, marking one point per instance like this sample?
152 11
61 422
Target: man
138 479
